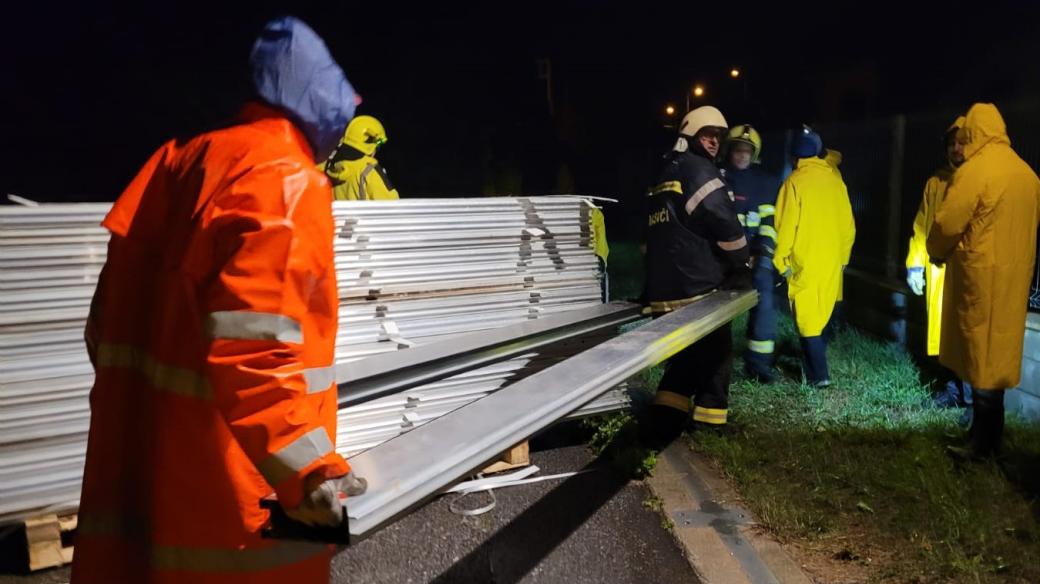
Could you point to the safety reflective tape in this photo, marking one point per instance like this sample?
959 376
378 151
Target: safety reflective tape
244 325
734 245
672 400
765 347
767 231
295 456
159 375
709 415
196 559
672 186
362 186
742 218
753 219
766 211
670 305
706 189
319 378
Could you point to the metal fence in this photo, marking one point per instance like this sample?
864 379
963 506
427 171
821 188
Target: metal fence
885 165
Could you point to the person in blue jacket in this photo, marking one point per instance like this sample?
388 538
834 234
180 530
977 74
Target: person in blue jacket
754 196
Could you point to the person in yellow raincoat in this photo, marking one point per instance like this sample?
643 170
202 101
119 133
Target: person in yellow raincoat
815 231
600 247
925 278
985 232
355 173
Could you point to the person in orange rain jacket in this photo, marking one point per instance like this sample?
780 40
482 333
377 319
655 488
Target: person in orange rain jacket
212 334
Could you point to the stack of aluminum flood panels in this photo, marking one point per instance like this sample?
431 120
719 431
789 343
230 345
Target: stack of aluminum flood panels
410 272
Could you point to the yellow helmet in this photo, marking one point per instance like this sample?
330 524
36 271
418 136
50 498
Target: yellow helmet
365 133
747 134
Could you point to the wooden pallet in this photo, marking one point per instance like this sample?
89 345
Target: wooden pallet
48 540
516 457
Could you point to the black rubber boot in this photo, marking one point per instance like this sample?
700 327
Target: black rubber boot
759 366
986 434
661 425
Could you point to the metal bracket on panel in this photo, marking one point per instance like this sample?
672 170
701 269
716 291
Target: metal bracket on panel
528 281
393 334
347 231
364 277
533 312
409 419
374 293
535 296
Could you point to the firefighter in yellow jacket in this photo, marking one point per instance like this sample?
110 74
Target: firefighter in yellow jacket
985 232
815 231
925 278
355 173
598 232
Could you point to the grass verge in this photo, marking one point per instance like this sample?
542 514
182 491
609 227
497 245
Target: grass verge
859 472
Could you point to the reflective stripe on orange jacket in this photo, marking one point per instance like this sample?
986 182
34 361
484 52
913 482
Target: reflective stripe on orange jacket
215 330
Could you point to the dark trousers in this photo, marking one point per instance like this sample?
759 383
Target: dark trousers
604 280
702 371
814 360
987 426
761 332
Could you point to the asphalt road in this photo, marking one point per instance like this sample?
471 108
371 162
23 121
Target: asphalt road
591 527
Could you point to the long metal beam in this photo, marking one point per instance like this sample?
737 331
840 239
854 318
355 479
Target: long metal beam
406 470
388 373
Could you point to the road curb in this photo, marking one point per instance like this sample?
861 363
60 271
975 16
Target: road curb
718 536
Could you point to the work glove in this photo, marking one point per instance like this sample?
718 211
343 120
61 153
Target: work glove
915 279
323 504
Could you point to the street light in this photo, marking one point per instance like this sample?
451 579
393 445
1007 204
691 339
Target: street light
670 110
698 91
734 72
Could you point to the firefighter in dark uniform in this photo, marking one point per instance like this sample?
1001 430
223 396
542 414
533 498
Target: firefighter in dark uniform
754 195
695 245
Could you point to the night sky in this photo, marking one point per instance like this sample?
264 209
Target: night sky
89 92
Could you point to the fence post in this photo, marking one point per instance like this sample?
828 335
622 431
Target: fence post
893 248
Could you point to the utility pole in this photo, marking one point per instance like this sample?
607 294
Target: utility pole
545 74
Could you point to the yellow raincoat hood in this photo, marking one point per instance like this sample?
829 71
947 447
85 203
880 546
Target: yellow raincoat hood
983 126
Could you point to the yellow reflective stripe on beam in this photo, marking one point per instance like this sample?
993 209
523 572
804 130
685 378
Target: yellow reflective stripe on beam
672 400
766 347
742 218
767 231
672 186
753 220
319 378
734 245
195 559
295 456
709 415
766 211
244 325
159 375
